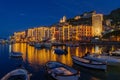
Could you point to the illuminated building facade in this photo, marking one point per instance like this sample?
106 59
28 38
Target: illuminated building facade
30 35
65 31
20 36
41 33
52 33
84 33
97 24
38 34
78 33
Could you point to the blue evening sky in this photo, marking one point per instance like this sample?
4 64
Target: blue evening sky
18 15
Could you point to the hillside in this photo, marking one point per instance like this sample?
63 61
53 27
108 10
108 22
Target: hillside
114 16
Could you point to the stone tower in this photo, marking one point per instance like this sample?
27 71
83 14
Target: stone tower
62 20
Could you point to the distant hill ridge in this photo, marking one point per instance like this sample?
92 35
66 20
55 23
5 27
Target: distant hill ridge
86 18
114 16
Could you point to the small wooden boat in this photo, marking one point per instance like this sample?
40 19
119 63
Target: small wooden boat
61 71
89 63
17 74
15 54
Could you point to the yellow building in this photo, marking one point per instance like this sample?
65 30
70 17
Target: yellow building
38 34
54 33
30 34
64 31
20 36
84 33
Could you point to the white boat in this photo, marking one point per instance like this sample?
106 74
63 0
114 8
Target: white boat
61 71
17 74
103 58
89 63
15 54
116 52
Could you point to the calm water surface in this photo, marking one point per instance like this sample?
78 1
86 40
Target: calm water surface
35 59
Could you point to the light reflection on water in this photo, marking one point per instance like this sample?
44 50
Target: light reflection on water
41 56
34 60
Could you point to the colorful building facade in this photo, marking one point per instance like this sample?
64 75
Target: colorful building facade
63 32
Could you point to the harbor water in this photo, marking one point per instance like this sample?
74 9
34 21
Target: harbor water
34 60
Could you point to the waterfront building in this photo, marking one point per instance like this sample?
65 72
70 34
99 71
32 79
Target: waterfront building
20 36
30 35
77 17
38 34
41 34
65 32
97 25
84 33
53 33
78 29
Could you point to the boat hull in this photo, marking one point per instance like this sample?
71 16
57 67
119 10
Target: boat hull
57 73
60 51
89 65
64 77
16 73
107 59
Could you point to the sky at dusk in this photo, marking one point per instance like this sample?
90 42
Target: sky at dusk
19 15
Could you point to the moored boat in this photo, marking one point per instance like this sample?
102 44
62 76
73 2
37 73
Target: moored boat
61 71
116 52
47 45
38 45
17 74
60 51
103 58
89 63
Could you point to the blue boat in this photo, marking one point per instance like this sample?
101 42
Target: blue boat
60 51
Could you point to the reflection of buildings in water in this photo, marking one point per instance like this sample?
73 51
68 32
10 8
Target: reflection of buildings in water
16 47
20 47
98 49
77 51
23 50
41 56
66 59
3 48
113 48
82 50
30 54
